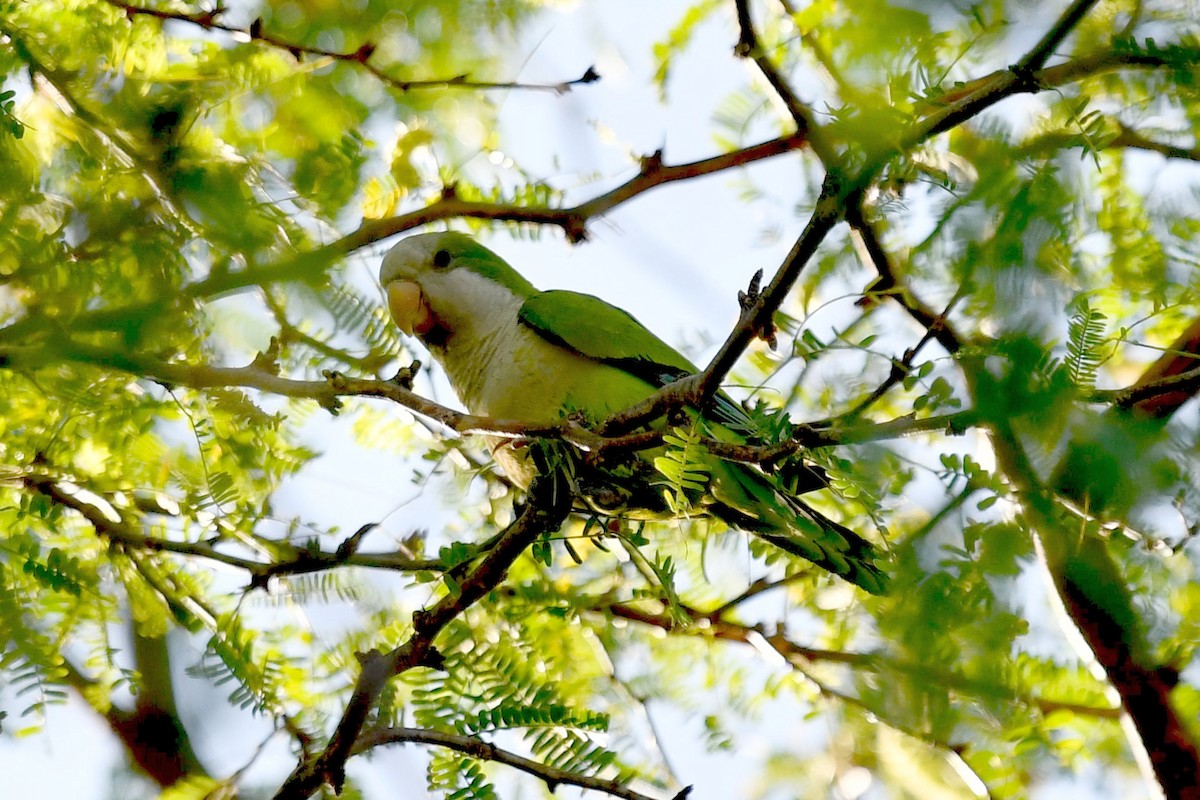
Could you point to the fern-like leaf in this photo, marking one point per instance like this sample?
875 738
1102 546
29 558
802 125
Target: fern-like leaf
231 657
685 467
1085 339
459 777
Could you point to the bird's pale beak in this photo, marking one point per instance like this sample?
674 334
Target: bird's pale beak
408 307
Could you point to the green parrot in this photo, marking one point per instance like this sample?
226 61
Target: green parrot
513 352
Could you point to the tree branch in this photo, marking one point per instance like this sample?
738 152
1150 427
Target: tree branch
151 732
309 265
1037 57
714 625
892 285
1169 382
594 444
964 101
1100 607
750 47
475 747
572 219
1126 137
547 507
111 524
210 21
834 203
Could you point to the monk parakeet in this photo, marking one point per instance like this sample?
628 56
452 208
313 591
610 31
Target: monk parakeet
513 352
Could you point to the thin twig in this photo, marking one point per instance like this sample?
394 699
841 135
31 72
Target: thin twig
1037 57
704 625
297 560
210 21
750 47
475 747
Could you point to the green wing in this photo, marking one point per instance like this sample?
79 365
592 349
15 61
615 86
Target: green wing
602 332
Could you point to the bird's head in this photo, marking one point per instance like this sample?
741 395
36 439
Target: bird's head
436 283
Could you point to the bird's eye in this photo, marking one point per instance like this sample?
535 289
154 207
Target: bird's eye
441 259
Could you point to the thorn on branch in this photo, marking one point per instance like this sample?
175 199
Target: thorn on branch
337 383
260 580
590 75
652 163
351 545
363 53
433 659
404 376
450 191
268 360
748 301
575 228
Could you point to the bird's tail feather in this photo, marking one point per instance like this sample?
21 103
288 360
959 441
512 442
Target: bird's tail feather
753 502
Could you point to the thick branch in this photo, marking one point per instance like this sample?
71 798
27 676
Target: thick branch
594 444
549 502
965 101
1170 381
1099 605
758 309
553 777
151 732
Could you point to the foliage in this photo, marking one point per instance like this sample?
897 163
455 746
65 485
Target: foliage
193 194
684 466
